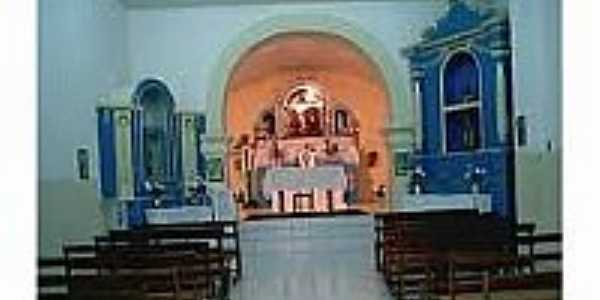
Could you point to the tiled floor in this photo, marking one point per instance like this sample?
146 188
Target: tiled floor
313 258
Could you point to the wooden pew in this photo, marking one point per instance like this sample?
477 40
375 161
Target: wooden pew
52 279
219 266
409 266
482 248
194 254
143 275
120 277
537 239
543 279
387 224
409 248
230 235
533 280
447 252
522 232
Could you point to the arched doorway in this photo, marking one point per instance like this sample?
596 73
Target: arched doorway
313 64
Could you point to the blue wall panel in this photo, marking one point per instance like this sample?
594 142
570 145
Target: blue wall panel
106 145
431 113
137 152
201 159
446 172
447 175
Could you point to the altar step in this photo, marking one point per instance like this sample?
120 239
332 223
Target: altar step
262 215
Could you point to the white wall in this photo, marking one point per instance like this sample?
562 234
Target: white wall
536 44
537 87
82 55
82 48
182 45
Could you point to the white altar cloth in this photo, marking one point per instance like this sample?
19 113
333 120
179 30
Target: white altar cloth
295 178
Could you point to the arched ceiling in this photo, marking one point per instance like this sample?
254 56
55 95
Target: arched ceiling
302 53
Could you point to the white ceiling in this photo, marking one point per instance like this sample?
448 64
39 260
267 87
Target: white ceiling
185 3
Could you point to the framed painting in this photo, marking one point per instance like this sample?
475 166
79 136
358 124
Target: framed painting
401 162
214 169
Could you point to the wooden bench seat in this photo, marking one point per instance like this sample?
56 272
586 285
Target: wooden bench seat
98 278
52 279
451 252
230 233
167 263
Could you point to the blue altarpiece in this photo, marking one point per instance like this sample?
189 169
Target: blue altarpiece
460 81
156 156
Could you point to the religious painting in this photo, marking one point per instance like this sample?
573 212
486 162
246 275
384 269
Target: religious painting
401 162
521 131
304 110
214 169
201 123
82 163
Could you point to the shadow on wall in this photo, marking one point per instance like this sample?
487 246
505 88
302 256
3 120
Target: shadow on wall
68 211
539 196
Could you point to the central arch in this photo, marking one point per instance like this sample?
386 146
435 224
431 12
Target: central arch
325 66
397 99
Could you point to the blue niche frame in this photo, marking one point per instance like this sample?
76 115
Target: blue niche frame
485 36
136 209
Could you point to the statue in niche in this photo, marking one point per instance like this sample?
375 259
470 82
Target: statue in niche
307 157
312 122
341 121
269 122
295 124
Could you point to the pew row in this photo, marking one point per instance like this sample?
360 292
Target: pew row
157 262
451 252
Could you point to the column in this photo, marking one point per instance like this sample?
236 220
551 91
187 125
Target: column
417 79
124 153
189 158
502 114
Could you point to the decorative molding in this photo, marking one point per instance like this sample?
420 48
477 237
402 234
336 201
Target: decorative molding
397 130
217 139
216 145
499 54
461 25
434 59
113 106
183 110
460 17
400 137
417 73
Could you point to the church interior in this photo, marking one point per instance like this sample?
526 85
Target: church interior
264 149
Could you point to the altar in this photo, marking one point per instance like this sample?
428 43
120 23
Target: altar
316 189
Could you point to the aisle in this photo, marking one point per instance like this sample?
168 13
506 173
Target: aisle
309 258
